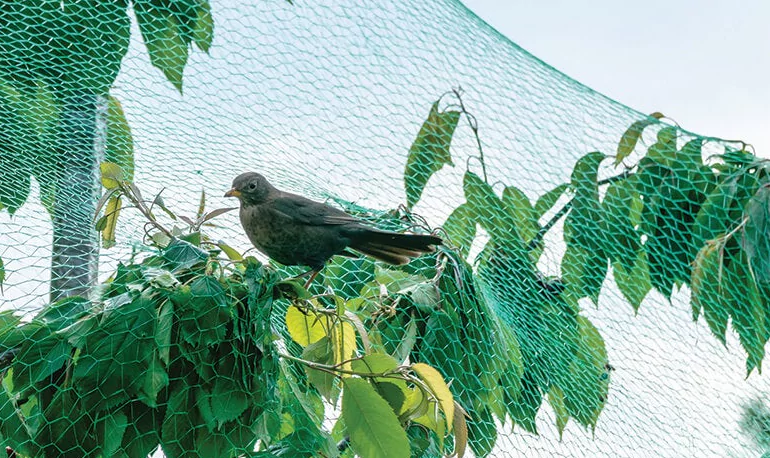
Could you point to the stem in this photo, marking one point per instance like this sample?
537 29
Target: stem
473 123
139 205
547 227
566 208
336 371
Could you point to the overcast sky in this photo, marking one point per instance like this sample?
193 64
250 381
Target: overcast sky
704 63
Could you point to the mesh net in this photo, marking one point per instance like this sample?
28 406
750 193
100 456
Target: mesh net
592 259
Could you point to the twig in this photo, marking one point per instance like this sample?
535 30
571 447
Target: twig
336 371
566 208
473 123
139 204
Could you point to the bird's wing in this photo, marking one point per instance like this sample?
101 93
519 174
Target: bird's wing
306 211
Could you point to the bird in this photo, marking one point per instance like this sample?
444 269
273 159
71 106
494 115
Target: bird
296 231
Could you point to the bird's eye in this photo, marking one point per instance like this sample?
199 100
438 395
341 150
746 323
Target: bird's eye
252 186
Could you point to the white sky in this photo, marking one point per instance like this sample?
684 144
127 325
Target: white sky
704 63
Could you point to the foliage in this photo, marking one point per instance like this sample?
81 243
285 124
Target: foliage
669 219
193 347
183 350
54 53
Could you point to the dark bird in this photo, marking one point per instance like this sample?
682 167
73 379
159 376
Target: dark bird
294 230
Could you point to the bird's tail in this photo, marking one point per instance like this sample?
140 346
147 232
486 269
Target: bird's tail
392 247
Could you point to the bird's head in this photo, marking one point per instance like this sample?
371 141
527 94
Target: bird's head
250 188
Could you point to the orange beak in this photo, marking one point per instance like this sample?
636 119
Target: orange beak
233 193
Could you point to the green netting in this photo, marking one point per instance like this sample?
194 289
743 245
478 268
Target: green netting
602 290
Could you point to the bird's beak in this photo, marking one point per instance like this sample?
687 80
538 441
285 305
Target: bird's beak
233 193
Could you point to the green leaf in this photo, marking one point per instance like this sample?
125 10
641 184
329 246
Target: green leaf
163 331
203 319
374 429
489 212
429 152
707 288
64 312
203 32
635 283
482 432
162 36
183 255
178 429
585 219
322 352
119 148
621 206
228 400
756 234
548 200
583 273
347 276
631 136
742 296
109 432
2 274
713 217
231 252
524 215
556 399
14 184
523 404
112 175
393 390
15 432
119 358
584 398
92 40
42 354
663 151
142 437
460 228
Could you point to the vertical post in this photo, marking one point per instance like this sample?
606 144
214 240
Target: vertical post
75 249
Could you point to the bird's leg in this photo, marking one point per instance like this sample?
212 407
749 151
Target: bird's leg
310 280
312 273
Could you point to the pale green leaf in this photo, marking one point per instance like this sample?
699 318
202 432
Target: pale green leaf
111 213
203 31
165 44
556 399
429 152
119 148
305 328
438 387
548 200
631 136
460 228
112 175
374 429
634 284
756 234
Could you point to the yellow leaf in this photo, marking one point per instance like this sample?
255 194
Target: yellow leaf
111 212
438 386
305 328
461 431
112 175
344 339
